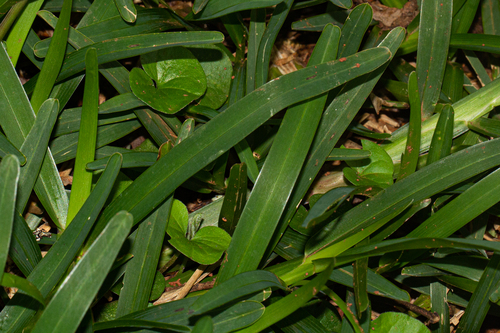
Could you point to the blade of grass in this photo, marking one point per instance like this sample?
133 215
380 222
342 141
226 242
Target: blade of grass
354 29
410 156
360 271
277 178
140 272
24 250
34 148
266 44
479 303
490 14
7 148
87 137
54 59
234 198
127 10
54 265
71 301
257 28
16 121
14 281
442 137
440 306
217 8
244 116
9 176
334 122
433 41
21 28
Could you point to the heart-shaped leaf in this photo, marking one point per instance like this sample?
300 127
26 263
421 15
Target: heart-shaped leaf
376 170
205 246
178 79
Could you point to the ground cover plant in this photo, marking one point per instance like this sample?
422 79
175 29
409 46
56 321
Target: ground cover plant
209 182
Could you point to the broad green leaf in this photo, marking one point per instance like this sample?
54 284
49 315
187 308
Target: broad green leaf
54 265
411 153
16 121
217 8
204 245
433 41
479 42
376 170
287 305
87 137
71 301
34 148
392 322
140 273
234 198
346 4
178 79
217 67
198 5
6 148
424 183
54 60
440 306
354 29
238 286
127 10
278 175
129 46
479 303
244 116
14 281
9 176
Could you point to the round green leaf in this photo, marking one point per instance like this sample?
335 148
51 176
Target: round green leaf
178 79
393 322
218 70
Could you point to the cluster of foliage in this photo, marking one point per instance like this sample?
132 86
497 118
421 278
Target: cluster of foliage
280 257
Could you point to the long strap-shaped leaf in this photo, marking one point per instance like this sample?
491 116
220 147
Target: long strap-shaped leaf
231 126
6 148
9 176
277 178
433 41
418 186
34 148
49 271
16 121
83 282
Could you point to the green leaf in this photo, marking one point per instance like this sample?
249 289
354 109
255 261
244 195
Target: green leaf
217 8
440 306
443 136
204 324
344 154
54 265
87 137
377 170
82 283
198 5
234 198
318 22
392 322
256 31
346 4
16 121
409 160
479 303
54 60
34 148
245 116
486 126
277 177
24 249
9 176
178 79
290 303
238 286
14 281
131 159
6 148
127 10
207 244
433 41
354 29
217 67
140 272
424 183
139 323
490 14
